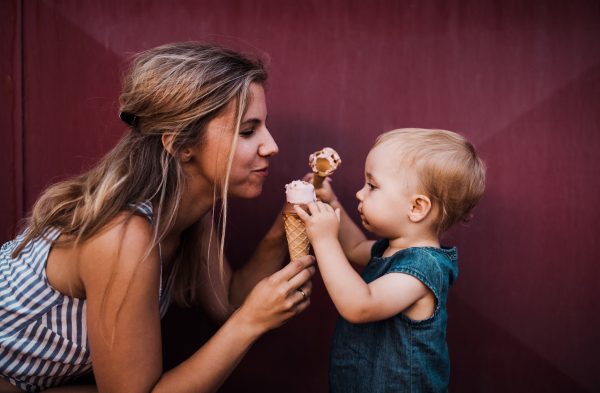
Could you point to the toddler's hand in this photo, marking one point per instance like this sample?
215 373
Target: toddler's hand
325 193
322 224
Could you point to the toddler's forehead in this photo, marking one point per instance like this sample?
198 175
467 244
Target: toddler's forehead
389 159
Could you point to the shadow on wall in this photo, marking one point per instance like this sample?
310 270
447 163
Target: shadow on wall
521 313
486 358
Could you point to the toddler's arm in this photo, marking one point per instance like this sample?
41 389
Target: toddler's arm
355 300
354 242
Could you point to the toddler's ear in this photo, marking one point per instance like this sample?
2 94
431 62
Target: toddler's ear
421 206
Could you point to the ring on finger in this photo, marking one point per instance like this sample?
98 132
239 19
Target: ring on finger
303 294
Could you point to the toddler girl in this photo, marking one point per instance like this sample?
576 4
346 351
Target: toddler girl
391 336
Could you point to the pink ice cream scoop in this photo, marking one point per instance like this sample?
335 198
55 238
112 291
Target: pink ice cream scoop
300 192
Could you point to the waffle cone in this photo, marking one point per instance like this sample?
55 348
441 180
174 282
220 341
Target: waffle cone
297 238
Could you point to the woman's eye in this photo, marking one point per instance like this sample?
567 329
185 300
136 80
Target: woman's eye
247 133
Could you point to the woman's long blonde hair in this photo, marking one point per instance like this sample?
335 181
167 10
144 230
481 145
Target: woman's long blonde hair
176 88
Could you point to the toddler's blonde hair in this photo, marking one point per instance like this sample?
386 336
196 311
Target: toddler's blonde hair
447 169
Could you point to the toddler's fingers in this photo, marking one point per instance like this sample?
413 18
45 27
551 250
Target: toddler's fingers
337 213
302 213
322 206
328 207
314 207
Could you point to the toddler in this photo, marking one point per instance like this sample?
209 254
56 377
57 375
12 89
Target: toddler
391 336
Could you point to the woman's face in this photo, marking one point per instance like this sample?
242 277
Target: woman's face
255 145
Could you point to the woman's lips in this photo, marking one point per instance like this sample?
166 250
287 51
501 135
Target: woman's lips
262 171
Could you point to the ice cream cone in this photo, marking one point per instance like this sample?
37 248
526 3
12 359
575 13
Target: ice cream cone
297 238
318 181
298 193
323 164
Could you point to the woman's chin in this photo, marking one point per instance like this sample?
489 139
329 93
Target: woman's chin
248 193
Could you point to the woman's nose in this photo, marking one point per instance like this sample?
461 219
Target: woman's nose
267 147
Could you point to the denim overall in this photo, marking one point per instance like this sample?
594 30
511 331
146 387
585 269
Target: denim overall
397 354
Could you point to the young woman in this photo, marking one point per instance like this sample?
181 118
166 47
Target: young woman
102 256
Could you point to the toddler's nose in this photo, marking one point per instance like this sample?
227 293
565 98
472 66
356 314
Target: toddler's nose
359 194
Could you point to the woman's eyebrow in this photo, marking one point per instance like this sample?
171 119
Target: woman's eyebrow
254 120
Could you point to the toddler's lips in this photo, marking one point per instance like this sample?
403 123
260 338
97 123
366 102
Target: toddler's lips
364 220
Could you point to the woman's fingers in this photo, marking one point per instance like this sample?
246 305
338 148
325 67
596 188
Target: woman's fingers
303 293
299 279
302 306
292 269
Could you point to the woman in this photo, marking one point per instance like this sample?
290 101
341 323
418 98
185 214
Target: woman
103 254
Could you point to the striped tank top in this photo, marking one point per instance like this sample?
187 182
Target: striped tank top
43 333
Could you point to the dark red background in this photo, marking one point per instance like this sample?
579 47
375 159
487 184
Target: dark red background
521 79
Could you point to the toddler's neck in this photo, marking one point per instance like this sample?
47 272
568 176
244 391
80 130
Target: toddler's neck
402 243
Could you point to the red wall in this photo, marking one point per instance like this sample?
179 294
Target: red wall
520 79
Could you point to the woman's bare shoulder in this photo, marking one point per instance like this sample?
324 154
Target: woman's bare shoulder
119 249
123 227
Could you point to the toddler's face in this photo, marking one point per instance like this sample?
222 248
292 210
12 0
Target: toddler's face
385 200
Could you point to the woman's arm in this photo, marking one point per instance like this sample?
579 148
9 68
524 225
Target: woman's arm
266 260
271 303
121 283
215 296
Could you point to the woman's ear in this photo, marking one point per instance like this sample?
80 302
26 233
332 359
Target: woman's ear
166 139
421 206
184 155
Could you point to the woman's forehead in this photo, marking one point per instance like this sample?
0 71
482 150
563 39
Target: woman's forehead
257 106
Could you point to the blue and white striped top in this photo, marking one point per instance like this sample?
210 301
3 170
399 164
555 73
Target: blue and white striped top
43 333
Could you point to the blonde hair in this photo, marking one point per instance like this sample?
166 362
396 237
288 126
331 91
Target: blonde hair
177 89
447 169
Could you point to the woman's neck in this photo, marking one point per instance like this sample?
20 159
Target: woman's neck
196 202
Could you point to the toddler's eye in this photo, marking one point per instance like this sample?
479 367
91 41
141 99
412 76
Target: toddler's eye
371 186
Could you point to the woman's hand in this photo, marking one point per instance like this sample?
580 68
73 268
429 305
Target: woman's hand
276 299
322 224
325 193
